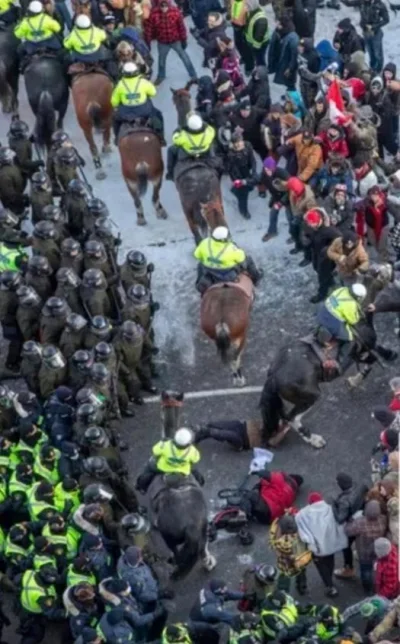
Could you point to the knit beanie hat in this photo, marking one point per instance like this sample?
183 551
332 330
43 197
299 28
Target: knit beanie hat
344 481
345 24
383 415
276 108
382 547
269 163
314 497
372 509
91 541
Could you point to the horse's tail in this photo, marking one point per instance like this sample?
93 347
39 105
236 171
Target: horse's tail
4 86
94 111
45 119
142 174
271 406
223 340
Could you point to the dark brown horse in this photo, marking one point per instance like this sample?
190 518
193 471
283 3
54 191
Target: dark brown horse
225 317
196 182
91 93
141 162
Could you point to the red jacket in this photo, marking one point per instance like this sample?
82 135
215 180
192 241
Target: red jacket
277 494
166 28
387 575
338 147
395 404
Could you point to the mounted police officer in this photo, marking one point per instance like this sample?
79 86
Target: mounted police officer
194 141
86 43
37 30
221 260
131 100
340 312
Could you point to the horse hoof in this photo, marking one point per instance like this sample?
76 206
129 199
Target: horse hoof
162 214
317 441
355 381
239 381
209 563
141 221
107 149
100 175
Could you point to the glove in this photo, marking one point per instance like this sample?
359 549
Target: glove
184 44
238 183
277 206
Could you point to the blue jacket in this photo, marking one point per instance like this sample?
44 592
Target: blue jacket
128 603
131 34
121 633
328 54
323 181
296 98
140 578
282 56
209 607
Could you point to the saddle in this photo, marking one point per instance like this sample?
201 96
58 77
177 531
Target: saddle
79 69
160 483
37 55
185 165
137 124
326 353
242 282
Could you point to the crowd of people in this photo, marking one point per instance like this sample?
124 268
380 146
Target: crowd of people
74 541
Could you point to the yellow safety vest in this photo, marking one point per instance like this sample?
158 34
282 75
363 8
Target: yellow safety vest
74 578
249 30
52 476
183 639
85 41
8 258
35 506
194 144
219 255
170 459
68 540
32 592
238 13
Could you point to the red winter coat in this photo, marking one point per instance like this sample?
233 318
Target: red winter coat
277 494
387 575
338 147
166 28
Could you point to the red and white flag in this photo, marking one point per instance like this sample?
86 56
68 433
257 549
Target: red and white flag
335 103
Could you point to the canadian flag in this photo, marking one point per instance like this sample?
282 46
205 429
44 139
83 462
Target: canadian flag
335 103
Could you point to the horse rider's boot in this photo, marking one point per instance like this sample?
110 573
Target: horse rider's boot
198 476
255 273
145 479
345 358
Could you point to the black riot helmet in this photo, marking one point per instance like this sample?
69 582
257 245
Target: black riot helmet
31 349
41 181
96 435
138 294
87 414
18 129
94 278
97 208
45 230
52 213
82 359
131 331
266 574
99 373
27 296
67 277
95 465
95 492
58 138
11 280
7 156
70 247
134 523
86 396
8 219
136 259
94 249
76 322
66 155
39 266
76 187
102 351
56 306
103 227
53 357
100 326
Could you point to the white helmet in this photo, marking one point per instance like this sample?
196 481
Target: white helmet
220 233
183 437
35 7
359 291
194 122
130 69
83 22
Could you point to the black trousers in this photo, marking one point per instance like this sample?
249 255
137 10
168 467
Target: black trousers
32 628
325 567
325 268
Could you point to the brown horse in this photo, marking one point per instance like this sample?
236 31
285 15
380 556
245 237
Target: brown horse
141 162
225 316
196 182
91 93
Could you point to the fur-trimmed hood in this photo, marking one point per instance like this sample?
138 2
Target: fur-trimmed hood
69 604
83 523
108 597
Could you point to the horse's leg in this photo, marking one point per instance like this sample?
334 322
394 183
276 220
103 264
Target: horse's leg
141 221
107 149
61 113
295 421
238 378
88 134
208 560
159 208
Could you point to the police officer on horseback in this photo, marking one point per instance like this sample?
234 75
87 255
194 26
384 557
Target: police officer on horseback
340 312
131 99
9 12
175 456
38 30
86 43
220 260
194 141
